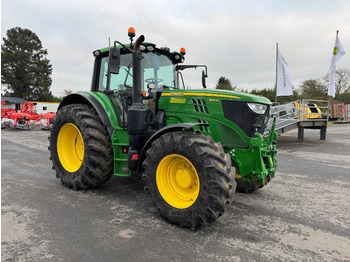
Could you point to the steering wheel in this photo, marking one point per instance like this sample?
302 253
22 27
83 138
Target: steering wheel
153 80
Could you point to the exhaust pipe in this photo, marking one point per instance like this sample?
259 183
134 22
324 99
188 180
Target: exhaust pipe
136 69
137 113
138 42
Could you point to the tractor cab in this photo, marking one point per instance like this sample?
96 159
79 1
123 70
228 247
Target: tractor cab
157 67
158 73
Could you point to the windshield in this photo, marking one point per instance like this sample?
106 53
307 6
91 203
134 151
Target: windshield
156 69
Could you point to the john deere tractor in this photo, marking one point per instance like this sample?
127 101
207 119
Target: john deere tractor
192 147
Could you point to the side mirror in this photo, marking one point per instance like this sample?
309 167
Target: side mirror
203 79
114 60
113 66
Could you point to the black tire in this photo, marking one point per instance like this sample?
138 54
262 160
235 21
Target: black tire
216 177
244 186
247 186
97 163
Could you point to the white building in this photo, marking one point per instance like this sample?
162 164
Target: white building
41 107
13 102
45 107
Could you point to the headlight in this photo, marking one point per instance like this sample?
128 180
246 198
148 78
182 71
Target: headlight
257 108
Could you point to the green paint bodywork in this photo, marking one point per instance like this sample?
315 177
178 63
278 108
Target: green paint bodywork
253 157
119 138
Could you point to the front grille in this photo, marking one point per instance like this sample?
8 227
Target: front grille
239 113
200 105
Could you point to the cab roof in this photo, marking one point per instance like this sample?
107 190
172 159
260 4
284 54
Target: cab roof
176 57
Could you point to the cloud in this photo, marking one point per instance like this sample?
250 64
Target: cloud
235 39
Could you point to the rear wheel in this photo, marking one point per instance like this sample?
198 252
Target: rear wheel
189 178
80 148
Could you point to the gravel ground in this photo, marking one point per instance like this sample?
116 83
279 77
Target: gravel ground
301 215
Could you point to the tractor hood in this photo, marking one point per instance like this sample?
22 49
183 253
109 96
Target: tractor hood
240 113
217 94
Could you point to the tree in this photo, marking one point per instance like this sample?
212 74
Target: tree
67 92
343 97
313 89
342 80
25 70
270 93
266 92
224 83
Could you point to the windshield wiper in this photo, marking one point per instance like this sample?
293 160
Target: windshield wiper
126 78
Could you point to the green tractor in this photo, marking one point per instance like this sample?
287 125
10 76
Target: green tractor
194 148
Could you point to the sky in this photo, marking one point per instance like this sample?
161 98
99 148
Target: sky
235 39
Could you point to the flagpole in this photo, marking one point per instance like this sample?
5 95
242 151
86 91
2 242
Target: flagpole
276 72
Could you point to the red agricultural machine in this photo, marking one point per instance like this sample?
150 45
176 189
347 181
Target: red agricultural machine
6 112
26 119
46 120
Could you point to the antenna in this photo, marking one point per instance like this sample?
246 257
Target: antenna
109 42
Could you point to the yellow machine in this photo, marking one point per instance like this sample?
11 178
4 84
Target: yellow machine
308 111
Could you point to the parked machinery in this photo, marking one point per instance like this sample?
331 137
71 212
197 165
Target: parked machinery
26 119
6 114
193 146
46 120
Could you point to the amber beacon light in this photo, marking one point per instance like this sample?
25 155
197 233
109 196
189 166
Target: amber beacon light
131 32
182 51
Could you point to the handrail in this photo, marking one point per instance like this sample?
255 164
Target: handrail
299 110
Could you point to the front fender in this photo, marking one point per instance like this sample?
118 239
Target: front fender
160 132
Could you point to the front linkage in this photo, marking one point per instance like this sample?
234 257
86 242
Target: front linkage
257 162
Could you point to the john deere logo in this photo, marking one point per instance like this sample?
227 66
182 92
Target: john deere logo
335 50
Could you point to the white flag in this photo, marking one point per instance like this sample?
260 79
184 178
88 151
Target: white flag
284 79
331 87
338 52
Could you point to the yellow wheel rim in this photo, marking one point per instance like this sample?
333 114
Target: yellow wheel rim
70 147
177 181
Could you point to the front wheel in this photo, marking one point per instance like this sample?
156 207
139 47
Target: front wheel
189 178
244 186
80 148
